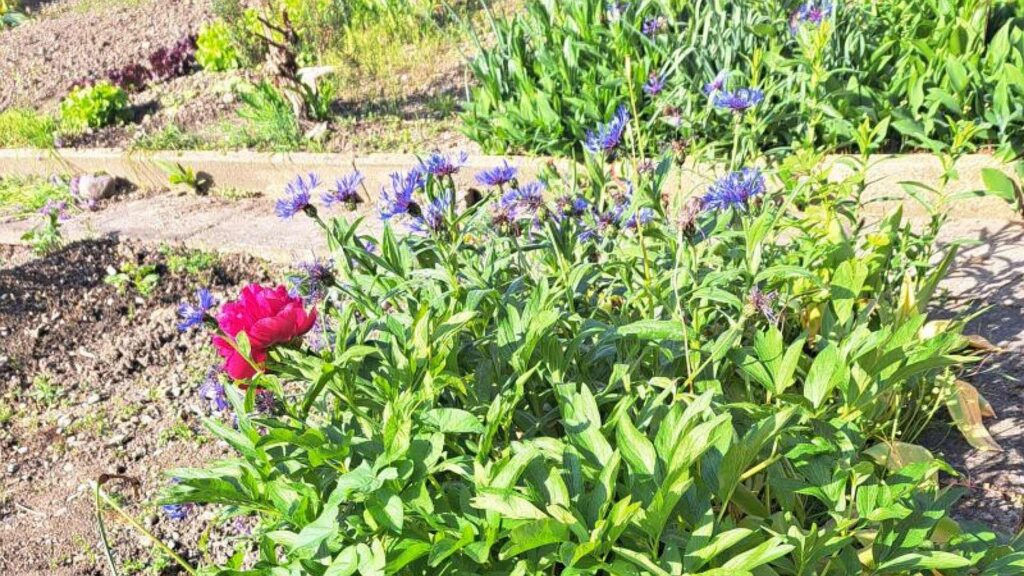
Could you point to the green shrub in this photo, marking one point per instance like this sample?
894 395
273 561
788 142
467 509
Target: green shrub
589 380
215 48
556 68
270 121
94 106
21 127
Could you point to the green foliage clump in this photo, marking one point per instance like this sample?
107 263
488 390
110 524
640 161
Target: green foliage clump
270 120
20 127
96 106
215 48
597 380
10 16
554 69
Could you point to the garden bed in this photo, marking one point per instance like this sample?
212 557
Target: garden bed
95 381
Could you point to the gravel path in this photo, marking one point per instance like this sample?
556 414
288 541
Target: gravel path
70 39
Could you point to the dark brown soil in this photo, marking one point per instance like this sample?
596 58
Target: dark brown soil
95 381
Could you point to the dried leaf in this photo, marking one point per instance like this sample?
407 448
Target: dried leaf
981 343
965 409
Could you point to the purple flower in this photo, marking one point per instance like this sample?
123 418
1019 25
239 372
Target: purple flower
642 217
570 207
738 101
497 176
213 392
396 200
763 303
734 190
811 12
655 84
717 84
369 247
608 136
266 402
439 164
195 314
317 275
297 196
505 216
55 209
652 26
432 220
528 197
177 512
345 191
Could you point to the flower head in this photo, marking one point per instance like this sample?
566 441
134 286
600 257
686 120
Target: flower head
268 317
297 196
641 217
734 190
717 84
397 199
655 84
212 391
345 191
570 207
195 314
177 512
314 278
811 12
608 136
528 197
497 176
738 101
432 220
55 209
763 303
653 26
439 164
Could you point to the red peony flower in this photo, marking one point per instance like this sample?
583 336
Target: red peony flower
268 316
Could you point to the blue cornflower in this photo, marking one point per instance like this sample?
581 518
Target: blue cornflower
177 512
655 84
297 196
432 220
570 207
317 275
195 314
505 215
527 197
397 200
738 101
443 164
641 217
811 12
763 303
717 84
369 246
213 392
652 26
734 190
608 136
345 191
497 176
266 402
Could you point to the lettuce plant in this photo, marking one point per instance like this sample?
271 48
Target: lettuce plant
216 50
95 106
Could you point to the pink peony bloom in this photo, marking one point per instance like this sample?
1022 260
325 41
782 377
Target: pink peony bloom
268 316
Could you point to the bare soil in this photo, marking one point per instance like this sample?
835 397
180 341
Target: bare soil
94 381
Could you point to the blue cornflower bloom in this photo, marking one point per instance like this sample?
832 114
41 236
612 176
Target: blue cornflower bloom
811 12
652 26
527 197
297 196
738 101
433 218
505 216
717 84
177 512
345 191
397 200
213 392
641 217
763 303
443 164
734 190
370 246
195 314
608 136
570 207
655 84
497 176
317 275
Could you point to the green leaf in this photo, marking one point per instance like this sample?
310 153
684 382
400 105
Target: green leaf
453 421
923 560
998 184
820 378
637 449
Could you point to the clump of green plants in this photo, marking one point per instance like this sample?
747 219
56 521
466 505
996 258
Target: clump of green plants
10 16
46 237
584 374
554 69
23 196
96 106
196 263
270 121
216 49
143 279
20 127
184 177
